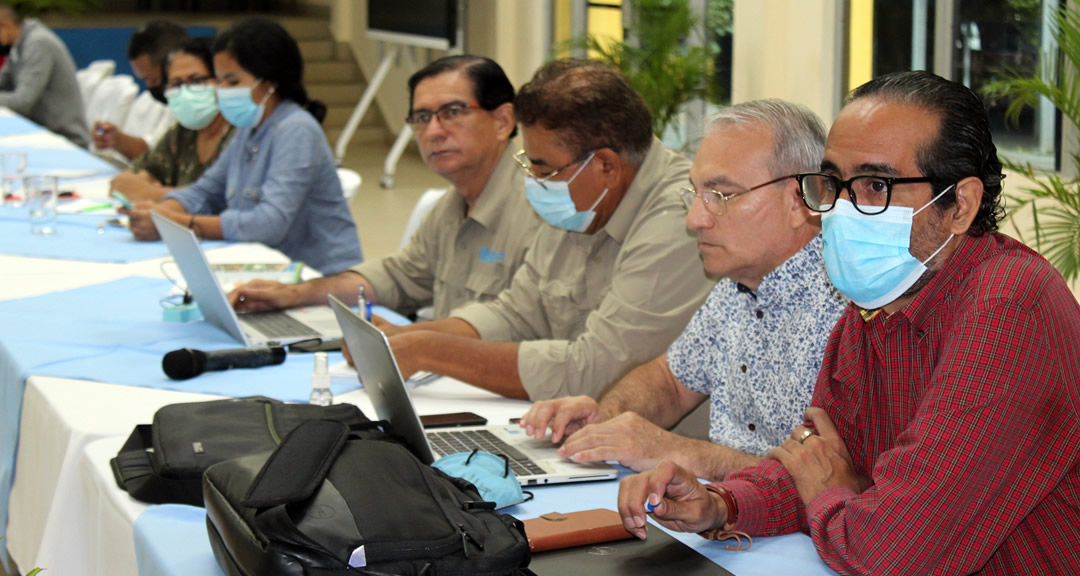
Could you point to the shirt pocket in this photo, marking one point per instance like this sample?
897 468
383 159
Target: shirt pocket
247 197
565 313
487 280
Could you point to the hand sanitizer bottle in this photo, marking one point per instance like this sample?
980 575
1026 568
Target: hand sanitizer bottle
320 382
363 306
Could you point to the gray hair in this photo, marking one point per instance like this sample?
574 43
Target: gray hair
798 133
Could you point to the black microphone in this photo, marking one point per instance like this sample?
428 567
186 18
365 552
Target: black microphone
187 363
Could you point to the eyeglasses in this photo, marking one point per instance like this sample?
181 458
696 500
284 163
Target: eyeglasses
541 179
448 115
189 81
716 201
869 194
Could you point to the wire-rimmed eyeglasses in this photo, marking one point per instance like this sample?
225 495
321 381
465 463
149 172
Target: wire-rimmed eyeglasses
716 201
541 179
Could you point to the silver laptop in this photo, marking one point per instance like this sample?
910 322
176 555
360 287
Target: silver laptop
533 461
282 327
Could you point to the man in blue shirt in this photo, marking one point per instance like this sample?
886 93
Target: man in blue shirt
756 345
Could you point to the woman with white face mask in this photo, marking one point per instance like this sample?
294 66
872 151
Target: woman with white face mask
200 133
276 182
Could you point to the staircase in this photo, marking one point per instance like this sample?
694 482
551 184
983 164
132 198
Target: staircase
332 75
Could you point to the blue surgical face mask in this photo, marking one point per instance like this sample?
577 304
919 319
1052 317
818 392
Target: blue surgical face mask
867 257
489 473
555 205
195 107
237 106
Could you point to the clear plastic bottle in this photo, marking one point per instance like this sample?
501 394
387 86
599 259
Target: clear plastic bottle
320 382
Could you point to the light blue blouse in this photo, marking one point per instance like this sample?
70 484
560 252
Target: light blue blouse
278 185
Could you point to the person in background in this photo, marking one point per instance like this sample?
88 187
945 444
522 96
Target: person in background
38 78
754 349
944 433
199 136
613 276
147 50
275 182
473 240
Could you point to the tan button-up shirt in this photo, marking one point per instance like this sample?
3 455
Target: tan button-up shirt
453 259
589 308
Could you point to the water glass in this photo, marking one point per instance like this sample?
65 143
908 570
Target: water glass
42 194
12 171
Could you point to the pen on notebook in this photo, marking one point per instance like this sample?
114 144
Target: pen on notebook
96 207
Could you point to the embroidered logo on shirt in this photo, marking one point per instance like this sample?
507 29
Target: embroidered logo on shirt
490 257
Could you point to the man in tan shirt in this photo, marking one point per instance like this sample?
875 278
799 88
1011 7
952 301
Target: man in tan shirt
468 247
613 277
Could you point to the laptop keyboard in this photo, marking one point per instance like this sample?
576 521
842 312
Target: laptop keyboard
278 325
454 441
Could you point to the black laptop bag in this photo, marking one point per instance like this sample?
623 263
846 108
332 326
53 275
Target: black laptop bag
333 501
163 462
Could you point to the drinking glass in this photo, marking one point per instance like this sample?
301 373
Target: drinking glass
12 170
42 193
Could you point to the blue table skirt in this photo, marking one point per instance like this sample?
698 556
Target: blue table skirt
77 238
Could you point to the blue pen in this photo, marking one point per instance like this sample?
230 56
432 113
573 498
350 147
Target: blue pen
362 304
649 507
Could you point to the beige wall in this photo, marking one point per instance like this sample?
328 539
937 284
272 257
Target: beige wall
788 49
511 32
1019 223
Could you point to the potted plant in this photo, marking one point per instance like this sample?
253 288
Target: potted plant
1055 199
659 62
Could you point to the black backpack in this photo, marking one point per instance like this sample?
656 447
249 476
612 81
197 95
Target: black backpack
163 462
331 500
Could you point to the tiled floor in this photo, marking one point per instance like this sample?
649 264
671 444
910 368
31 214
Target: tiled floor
380 214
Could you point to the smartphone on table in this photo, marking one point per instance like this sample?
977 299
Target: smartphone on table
452 420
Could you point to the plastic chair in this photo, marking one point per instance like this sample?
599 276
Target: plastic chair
423 206
90 77
148 119
111 100
350 182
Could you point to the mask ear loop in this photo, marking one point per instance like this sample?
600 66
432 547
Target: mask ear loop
932 200
471 454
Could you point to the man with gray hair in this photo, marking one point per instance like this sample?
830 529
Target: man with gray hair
756 345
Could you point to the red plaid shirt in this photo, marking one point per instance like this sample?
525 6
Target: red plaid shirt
964 411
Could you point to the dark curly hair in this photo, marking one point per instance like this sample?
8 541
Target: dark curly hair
589 105
963 146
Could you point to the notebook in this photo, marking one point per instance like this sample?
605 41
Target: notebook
282 327
533 461
660 553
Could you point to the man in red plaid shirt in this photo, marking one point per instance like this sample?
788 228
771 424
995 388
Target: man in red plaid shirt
944 434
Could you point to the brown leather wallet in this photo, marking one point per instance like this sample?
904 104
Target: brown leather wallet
554 530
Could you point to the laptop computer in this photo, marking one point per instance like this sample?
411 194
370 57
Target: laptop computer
281 327
533 461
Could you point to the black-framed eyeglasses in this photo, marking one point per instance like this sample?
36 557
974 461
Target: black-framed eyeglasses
869 194
189 81
449 114
716 201
542 179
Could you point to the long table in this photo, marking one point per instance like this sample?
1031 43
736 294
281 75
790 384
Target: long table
66 513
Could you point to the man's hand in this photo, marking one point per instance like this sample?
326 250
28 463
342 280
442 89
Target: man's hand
679 501
565 416
628 438
387 328
817 461
104 135
263 295
407 347
138 186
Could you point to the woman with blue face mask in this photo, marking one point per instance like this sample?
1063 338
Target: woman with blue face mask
200 133
276 181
